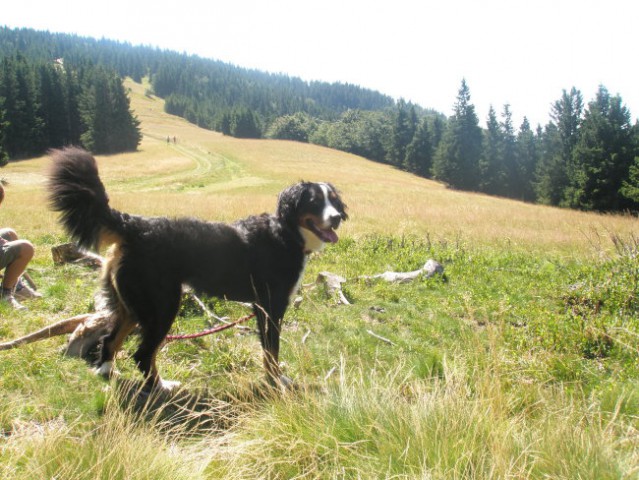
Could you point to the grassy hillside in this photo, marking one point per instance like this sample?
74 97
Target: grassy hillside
212 176
520 363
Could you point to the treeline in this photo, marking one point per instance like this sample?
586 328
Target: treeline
48 104
209 93
584 157
244 103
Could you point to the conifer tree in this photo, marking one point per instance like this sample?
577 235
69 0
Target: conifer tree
4 156
491 167
224 123
419 152
404 128
603 156
554 167
109 125
125 127
509 154
567 113
438 125
527 154
53 106
244 124
24 134
72 94
551 176
457 159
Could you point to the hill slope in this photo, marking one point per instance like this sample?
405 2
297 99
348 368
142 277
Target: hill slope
212 176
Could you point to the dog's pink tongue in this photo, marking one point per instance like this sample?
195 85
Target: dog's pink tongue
329 235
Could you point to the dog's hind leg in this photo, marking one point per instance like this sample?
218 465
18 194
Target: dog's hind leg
145 357
123 322
111 343
156 321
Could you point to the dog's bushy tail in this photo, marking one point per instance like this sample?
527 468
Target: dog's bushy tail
76 191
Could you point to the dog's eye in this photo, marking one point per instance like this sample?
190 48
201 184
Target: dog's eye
314 199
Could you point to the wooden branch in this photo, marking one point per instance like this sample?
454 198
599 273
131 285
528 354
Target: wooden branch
430 268
86 330
330 372
204 308
308 332
379 337
59 328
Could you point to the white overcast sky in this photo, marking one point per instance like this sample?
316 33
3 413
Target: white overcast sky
518 52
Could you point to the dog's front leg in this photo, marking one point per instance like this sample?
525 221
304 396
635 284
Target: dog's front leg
269 326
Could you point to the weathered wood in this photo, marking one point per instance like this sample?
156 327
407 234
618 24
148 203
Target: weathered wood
333 285
70 253
430 268
379 337
86 331
59 328
85 338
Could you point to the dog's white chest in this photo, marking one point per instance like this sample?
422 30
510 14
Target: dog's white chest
298 284
311 242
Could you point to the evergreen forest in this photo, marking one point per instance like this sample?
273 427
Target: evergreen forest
61 89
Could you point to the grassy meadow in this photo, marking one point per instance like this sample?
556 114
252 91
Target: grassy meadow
520 362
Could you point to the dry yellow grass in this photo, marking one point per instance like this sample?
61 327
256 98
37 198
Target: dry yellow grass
208 175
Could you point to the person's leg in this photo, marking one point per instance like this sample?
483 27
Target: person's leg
22 251
8 234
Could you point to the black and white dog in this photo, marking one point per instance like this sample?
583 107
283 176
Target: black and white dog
259 259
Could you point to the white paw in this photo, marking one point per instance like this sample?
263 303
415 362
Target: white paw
106 370
168 385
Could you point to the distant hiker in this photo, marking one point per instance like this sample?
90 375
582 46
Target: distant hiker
174 139
168 140
15 254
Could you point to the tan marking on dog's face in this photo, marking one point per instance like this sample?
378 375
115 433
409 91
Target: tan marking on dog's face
302 222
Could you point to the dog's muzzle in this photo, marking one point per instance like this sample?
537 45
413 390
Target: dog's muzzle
326 235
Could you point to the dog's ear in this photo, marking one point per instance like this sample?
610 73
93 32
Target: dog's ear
338 203
288 203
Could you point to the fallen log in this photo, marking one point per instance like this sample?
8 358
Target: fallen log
71 253
430 268
62 327
86 331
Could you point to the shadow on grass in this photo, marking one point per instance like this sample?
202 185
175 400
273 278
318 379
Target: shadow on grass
197 410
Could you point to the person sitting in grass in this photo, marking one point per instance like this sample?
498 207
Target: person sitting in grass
15 255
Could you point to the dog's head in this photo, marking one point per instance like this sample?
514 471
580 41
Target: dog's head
316 209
